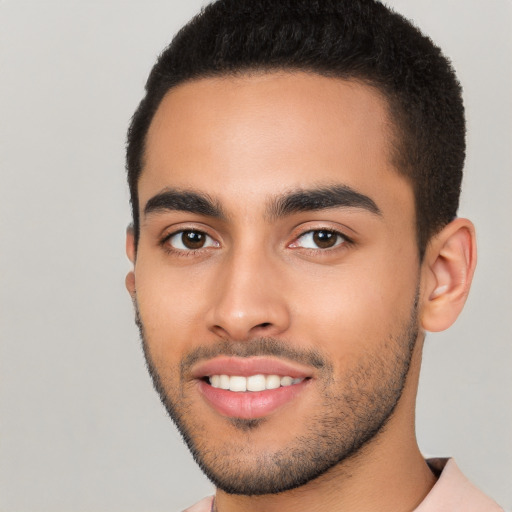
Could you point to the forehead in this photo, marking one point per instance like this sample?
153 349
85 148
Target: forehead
260 134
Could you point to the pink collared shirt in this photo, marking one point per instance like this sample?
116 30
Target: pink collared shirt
452 492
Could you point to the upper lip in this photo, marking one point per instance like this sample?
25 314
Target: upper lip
247 366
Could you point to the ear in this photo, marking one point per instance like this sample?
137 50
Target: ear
447 272
131 252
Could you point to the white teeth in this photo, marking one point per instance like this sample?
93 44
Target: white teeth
224 381
237 383
257 382
286 381
273 382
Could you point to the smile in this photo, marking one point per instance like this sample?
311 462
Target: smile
252 387
254 383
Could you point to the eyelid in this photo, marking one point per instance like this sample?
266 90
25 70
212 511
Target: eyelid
179 227
171 233
345 240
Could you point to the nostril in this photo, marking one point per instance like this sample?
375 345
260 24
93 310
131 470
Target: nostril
265 324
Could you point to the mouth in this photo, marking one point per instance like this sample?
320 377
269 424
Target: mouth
253 383
249 388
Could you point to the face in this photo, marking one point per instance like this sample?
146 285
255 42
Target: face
276 274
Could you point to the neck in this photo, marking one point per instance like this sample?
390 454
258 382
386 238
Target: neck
386 485
389 474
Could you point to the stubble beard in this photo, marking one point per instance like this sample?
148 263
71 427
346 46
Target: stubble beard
354 412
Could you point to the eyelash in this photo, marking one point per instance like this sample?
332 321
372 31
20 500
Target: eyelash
345 241
164 242
341 241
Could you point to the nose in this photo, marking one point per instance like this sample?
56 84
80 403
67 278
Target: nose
249 299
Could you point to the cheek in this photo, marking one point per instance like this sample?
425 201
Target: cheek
171 307
349 309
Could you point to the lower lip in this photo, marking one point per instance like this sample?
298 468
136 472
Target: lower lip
250 404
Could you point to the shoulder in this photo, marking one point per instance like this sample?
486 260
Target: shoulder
453 492
205 505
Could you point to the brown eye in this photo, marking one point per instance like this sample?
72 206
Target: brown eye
325 239
320 239
189 240
193 239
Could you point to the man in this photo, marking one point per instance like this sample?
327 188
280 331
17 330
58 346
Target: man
294 170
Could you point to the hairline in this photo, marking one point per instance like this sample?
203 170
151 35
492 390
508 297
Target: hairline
393 109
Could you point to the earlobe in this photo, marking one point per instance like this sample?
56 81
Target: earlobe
130 283
447 272
131 253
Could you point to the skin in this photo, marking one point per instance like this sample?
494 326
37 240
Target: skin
243 141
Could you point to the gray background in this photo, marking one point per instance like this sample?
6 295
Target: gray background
80 426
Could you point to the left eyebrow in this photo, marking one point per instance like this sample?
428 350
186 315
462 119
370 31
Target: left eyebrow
323 198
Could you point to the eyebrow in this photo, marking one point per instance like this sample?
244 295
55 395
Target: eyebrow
323 198
183 200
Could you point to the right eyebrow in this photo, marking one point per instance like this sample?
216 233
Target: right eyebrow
183 200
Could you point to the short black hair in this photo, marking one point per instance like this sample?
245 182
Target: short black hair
359 40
